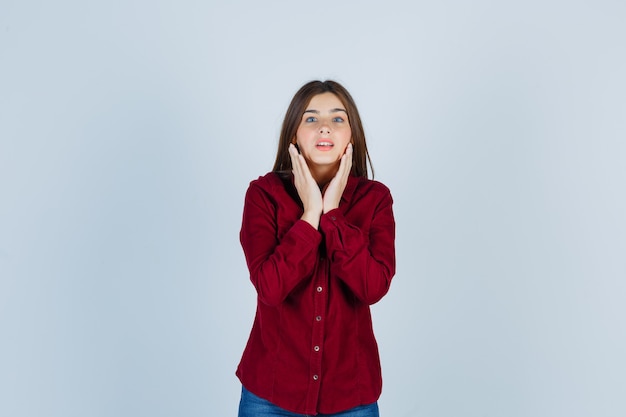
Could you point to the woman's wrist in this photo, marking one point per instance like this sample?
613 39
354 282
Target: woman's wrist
329 206
313 218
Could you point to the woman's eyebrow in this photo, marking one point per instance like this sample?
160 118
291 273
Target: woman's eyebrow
331 111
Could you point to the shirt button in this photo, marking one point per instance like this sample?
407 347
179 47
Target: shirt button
318 318
315 377
333 218
316 348
319 289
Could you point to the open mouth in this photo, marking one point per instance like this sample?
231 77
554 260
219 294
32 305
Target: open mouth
324 145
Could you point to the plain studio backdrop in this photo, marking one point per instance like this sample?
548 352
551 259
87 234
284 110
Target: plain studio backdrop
129 131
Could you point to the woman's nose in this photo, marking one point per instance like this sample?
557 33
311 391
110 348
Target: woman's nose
325 129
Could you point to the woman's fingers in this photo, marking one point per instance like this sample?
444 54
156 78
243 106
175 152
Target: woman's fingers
346 163
334 190
295 161
306 186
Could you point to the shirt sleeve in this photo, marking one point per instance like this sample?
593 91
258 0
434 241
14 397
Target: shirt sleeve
276 266
365 262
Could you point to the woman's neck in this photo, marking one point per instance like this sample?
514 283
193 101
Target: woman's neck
323 174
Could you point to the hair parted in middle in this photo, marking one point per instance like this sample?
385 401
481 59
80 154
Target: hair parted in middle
360 157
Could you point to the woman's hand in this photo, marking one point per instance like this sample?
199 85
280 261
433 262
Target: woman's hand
307 187
334 189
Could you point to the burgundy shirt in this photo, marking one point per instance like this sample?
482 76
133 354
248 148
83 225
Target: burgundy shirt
312 348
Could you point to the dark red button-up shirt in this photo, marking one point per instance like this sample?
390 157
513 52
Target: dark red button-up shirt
312 348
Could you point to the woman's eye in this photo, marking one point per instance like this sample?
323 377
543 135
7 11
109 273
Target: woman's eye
310 119
338 119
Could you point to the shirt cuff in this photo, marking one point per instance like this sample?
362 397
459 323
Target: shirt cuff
331 219
306 232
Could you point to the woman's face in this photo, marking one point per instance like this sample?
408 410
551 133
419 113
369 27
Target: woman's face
324 131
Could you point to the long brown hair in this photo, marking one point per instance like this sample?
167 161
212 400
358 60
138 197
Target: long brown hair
360 157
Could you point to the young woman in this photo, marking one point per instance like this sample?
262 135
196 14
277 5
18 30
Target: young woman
318 238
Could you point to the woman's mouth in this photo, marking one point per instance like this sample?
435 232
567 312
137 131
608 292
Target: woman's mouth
324 145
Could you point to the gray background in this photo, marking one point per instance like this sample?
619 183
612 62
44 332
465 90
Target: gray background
129 131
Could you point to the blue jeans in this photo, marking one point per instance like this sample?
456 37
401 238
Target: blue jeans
253 406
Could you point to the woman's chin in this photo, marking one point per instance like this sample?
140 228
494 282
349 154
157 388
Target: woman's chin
323 158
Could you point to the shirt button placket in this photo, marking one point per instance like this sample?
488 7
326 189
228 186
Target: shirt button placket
319 332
